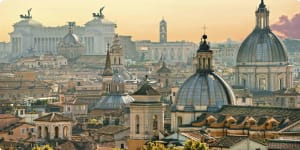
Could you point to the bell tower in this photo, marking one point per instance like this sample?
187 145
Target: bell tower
163 31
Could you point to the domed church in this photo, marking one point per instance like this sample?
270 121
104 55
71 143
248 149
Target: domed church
262 60
204 91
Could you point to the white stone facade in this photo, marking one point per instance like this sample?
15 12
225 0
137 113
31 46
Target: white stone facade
29 35
170 51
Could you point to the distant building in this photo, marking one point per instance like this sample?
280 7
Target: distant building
17 88
5 51
18 132
175 52
30 36
128 47
163 31
43 61
71 46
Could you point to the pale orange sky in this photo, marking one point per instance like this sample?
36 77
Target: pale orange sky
140 18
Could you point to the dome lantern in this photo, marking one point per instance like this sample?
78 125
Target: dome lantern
204 56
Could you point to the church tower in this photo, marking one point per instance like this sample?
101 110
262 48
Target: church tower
117 53
146 116
107 73
163 31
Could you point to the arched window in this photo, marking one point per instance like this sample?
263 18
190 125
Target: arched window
65 131
46 133
244 83
179 121
203 63
262 84
199 63
155 123
56 129
137 124
115 60
39 131
119 61
281 85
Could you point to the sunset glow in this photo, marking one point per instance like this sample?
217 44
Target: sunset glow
140 18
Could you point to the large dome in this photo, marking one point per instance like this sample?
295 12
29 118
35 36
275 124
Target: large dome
262 46
204 92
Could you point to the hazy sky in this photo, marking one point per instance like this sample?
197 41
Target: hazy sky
140 18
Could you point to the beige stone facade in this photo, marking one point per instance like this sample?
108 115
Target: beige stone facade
53 126
146 119
264 77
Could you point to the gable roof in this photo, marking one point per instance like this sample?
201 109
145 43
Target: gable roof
53 117
228 141
146 89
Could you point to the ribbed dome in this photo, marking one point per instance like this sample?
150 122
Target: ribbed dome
262 46
112 101
202 92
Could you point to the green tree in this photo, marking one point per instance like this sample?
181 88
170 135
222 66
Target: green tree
45 147
194 145
154 146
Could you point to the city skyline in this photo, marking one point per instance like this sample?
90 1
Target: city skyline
185 20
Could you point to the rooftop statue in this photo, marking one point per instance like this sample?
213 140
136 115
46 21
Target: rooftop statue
28 16
100 14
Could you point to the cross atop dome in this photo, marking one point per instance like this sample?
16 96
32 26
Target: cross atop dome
262 4
203 44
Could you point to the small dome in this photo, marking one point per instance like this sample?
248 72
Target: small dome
70 39
204 92
116 101
262 46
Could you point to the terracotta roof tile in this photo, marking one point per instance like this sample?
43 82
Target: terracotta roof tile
53 117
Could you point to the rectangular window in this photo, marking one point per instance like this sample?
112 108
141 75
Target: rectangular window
22 131
262 84
244 99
